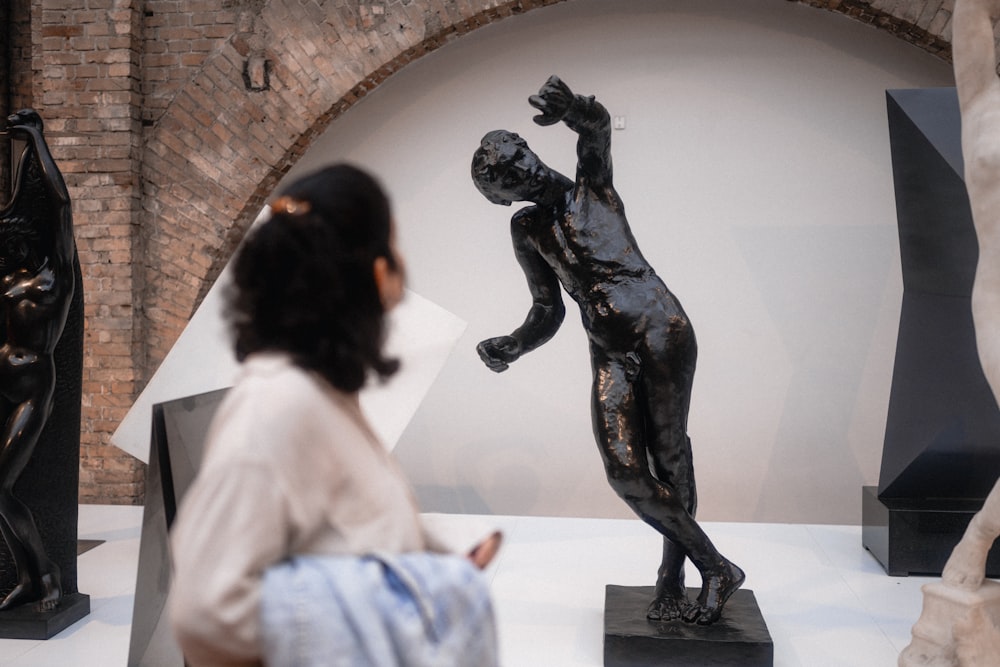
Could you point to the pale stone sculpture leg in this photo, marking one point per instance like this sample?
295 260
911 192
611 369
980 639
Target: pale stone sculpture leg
966 568
977 639
958 626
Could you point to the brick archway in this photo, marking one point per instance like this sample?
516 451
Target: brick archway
219 148
173 119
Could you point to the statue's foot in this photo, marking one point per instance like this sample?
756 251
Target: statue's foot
716 588
46 605
51 587
967 564
43 595
22 594
667 606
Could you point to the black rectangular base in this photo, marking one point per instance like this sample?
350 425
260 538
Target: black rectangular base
739 639
916 536
25 623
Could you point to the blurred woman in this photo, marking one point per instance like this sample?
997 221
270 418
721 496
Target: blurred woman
291 466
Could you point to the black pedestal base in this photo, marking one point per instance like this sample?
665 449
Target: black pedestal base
916 536
739 639
25 623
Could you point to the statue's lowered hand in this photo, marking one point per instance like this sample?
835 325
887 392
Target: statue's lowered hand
498 353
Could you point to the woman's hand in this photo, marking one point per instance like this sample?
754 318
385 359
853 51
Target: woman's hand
482 554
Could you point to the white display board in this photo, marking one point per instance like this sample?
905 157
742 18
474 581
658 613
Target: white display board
421 335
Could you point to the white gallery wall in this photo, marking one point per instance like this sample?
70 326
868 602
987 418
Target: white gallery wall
755 170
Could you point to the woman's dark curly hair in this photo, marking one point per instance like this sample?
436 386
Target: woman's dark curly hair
303 281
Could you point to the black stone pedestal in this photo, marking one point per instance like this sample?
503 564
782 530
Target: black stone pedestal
25 623
916 536
739 639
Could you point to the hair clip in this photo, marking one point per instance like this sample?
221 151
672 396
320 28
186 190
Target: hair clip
290 206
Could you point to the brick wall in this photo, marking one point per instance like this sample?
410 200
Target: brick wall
89 94
924 23
173 119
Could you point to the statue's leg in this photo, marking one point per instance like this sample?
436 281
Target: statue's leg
966 567
670 588
664 402
19 556
620 430
38 577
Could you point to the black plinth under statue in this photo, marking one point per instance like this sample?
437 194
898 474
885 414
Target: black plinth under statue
941 454
41 362
740 638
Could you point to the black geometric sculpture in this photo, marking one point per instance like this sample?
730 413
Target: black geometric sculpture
176 447
48 484
941 454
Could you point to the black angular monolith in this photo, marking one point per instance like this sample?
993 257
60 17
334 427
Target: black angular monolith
941 454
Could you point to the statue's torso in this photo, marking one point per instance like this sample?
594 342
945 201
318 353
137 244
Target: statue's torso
589 245
34 306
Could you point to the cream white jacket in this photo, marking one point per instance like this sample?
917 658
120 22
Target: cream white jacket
291 467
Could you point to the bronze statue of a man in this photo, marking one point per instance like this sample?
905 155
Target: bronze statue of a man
642 345
37 283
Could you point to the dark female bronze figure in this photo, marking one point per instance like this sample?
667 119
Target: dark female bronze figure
38 276
642 345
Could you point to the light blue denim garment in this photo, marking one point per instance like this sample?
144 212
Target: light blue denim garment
408 610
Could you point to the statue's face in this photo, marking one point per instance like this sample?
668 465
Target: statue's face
506 170
13 254
16 249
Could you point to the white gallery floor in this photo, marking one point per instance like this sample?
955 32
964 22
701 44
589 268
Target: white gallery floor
827 602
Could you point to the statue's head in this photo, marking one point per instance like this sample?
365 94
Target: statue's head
25 118
504 169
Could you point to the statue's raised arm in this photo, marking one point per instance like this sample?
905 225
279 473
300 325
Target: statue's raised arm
974 53
40 196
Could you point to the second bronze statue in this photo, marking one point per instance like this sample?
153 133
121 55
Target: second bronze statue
39 286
